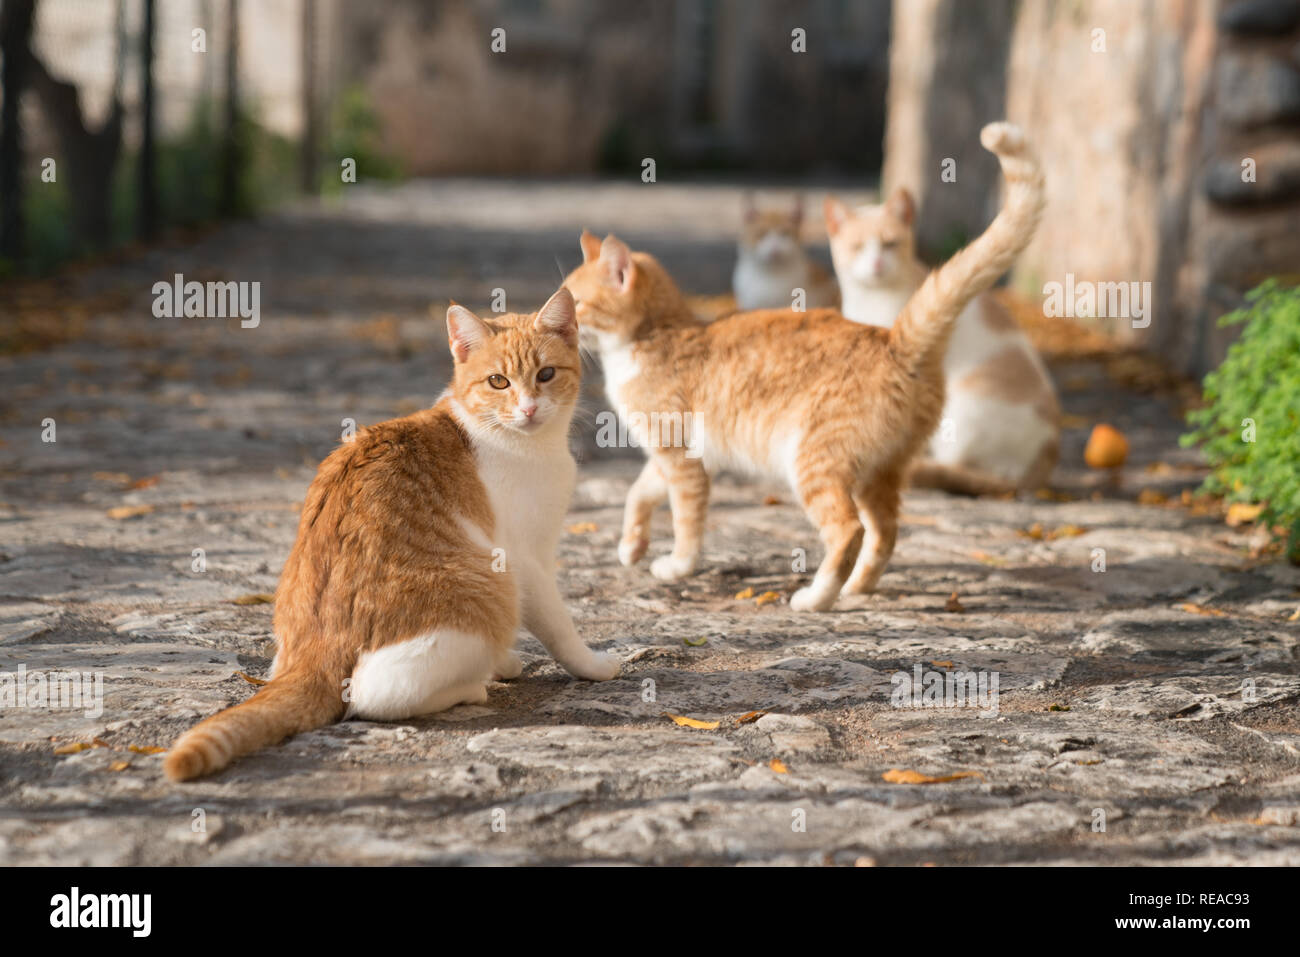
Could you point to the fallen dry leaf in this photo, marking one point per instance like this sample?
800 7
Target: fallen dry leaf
119 765
582 528
118 478
897 776
146 749
75 748
149 482
1151 496
953 604
695 642
1295 615
1202 610
777 765
750 717
128 511
942 664
256 598
250 679
1239 513
686 722
766 598
771 500
745 595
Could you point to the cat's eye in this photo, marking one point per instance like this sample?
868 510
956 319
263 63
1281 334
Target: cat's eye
497 381
546 375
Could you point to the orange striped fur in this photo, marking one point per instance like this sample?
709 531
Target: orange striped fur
835 408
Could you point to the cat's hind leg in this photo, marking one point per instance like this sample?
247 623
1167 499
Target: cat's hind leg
828 500
879 502
421 675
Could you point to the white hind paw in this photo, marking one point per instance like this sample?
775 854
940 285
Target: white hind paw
508 666
1002 137
631 551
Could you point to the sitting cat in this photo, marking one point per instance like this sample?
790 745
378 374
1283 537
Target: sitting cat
771 263
422 544
835 408
1000 428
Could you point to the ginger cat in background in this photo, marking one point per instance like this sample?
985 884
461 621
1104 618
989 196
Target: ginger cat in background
393 603
835 408
771 262
1000 429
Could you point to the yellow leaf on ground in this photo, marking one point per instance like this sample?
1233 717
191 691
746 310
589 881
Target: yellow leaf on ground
777 765
148 482
942 664
582 528
1152 496
750 717
128 511
146 749
692 722
1239 513
119 765
766 598
256 598
250 679
745 595
1295 615
1034 531
897 776
1069 530
74 748
1202 610
771 500
695 642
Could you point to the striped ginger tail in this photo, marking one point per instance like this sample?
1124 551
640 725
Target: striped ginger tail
289 704
922 328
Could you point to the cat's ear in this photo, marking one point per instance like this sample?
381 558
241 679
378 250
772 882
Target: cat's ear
559 316
465 332
590 246
618 262
835 212
901 205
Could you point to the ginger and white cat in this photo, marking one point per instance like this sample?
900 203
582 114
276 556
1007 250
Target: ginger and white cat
1000 429
422 544
771 263
835 408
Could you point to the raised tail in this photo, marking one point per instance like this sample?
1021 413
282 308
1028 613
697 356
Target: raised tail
289 704
922 328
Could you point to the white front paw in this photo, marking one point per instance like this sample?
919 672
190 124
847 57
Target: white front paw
669 568
631 551
508 666
601 666
811 599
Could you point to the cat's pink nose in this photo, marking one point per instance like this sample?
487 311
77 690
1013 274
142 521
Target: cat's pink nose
528 410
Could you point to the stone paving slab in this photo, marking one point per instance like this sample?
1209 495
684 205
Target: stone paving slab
1118 704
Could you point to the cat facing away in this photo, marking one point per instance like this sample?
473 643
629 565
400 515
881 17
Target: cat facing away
1000 427
835 408
771 262
423 544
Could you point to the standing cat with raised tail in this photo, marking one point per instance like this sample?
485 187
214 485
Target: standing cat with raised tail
835 408
422 545
1000 427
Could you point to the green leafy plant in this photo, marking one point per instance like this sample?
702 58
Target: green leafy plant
1249 427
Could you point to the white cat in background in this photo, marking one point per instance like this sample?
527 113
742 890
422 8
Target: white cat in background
1000 429
772 264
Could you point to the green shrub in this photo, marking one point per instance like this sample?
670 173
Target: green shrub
1249 427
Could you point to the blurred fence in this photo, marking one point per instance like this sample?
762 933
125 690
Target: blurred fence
123 117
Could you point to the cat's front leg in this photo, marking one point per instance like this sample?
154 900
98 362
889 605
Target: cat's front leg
647 492
688 495
546 617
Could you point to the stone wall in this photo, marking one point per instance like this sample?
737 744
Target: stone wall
1144 114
